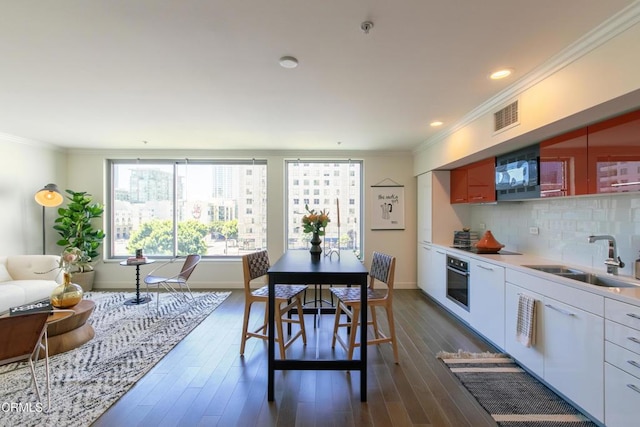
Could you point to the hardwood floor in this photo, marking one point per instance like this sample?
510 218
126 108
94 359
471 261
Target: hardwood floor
203 381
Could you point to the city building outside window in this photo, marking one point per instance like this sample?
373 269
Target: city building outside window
344 191
177 207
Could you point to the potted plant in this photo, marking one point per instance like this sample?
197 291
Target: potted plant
75 227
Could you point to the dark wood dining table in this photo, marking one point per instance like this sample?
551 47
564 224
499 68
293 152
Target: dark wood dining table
297 267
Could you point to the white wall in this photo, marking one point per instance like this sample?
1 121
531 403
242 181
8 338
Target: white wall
26 168
87 172
564 225
603 82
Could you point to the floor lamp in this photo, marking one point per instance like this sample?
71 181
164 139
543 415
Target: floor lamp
48 197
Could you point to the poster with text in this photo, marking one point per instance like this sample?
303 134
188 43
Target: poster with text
387 207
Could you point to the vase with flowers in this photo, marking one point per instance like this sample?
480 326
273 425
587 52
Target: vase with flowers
315 223
68 294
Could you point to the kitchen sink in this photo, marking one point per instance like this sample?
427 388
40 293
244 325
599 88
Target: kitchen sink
555 269
581 276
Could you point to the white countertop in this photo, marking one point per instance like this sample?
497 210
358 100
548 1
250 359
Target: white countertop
629 295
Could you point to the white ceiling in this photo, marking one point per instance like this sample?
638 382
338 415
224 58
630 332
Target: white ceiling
204 74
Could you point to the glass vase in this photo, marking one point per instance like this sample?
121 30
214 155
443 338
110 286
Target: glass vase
66 294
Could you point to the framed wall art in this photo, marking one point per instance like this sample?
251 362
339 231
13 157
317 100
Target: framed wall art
387 206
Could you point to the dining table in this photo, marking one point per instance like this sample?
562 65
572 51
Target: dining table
300 267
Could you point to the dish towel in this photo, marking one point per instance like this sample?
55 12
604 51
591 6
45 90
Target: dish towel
526 325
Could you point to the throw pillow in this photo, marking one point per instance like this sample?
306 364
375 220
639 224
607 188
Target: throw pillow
4 274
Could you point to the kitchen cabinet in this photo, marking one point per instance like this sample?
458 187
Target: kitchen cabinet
573 354
424 265
437 275
563 165
614 154
481 181
570 339
459 190
487 300
531 357
474 183
437 218
622 363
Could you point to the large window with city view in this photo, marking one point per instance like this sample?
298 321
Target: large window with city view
325 185
172 208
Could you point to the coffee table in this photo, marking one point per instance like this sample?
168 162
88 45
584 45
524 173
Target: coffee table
67 331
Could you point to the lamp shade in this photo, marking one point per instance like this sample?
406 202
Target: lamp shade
49 196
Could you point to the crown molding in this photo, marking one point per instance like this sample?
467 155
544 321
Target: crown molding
5 137
617 24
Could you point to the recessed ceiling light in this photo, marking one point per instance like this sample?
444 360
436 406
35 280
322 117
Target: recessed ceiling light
435 123
501 74
288 62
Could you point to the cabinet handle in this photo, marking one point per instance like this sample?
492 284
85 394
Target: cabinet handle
559 310
633 363
440 252
477 198
634 339
484 268
426 247
635 316
634 388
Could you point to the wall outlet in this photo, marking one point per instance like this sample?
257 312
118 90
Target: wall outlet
482 226
534 230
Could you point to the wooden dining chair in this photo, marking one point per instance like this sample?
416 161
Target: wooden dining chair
21 338
287 299
383 270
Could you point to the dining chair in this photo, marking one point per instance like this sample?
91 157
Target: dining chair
169 283
383 270
287 299
21 338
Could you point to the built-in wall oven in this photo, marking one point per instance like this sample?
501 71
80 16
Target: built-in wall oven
458 281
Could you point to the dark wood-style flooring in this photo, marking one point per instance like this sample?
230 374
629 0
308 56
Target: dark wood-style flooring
203 381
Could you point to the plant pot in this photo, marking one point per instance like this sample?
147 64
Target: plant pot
85 279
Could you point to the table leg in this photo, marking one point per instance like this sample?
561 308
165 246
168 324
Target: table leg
272 341
363 340
137 300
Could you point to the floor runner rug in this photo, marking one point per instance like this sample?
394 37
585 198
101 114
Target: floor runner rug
129 340
512 396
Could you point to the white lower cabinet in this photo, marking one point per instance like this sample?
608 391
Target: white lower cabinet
622 367
532 357
486 300
424 265
437 277
574 354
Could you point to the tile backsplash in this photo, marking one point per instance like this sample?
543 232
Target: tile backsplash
564 226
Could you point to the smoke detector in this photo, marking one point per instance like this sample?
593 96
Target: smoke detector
366 26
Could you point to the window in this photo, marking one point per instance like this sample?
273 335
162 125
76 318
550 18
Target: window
177 207
345 188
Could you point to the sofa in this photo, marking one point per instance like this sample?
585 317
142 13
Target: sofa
26 278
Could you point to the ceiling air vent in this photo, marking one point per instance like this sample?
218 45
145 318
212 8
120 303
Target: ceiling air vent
506 117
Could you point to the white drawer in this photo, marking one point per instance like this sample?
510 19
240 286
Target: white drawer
622 358
622 397
621 312
624 336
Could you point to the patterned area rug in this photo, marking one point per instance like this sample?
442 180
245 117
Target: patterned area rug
512 396
85 382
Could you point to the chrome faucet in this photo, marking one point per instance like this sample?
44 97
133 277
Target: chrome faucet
613 262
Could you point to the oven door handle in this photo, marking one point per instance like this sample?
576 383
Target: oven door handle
461 273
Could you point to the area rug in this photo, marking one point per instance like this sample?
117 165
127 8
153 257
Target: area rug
512 396
85 382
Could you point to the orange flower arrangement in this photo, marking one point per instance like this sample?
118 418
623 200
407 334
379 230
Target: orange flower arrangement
315 222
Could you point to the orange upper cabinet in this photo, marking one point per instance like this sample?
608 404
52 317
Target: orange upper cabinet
481 181
474 183
614 154
459 185
563 165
